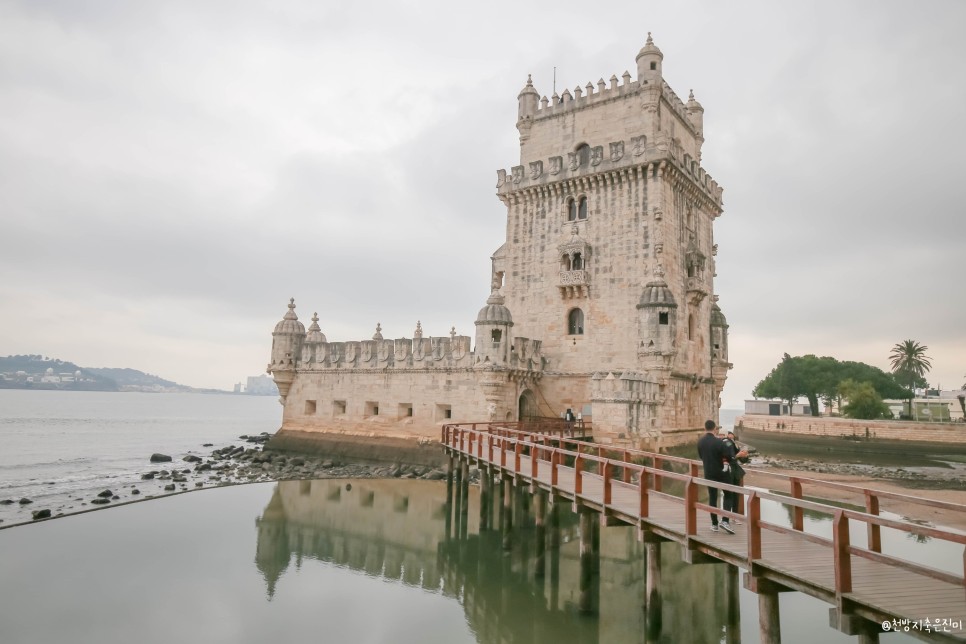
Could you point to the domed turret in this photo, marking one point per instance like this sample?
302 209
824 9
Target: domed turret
696 116
719 335
717 317
287 340
527 109
649 62
313 338
657 323
657 294
493 330
286 349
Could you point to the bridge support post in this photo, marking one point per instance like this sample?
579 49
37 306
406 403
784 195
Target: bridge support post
507 522
457 496
733 607
652 590
486 484
849 623
449 479
586 601
464 499
769 622
540 516
769 618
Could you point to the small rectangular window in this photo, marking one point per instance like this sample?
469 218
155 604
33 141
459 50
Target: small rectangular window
444 412
372 408
309 407
405 410
338 407
662 318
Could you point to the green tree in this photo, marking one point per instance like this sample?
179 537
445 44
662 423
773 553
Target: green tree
820 377
910 364
863 401
782 382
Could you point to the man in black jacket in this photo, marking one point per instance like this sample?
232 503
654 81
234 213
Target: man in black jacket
714 454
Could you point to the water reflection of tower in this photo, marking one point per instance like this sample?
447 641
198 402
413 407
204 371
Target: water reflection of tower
272 551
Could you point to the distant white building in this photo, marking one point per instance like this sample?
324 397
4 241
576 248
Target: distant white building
776 408
262 385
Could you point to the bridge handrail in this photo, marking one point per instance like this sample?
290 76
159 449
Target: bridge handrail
842 549
797 483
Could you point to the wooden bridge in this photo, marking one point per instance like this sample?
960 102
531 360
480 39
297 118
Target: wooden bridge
659 494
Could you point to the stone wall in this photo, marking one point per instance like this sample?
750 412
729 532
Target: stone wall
882 430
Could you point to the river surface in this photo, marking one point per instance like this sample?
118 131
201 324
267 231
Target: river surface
328 560
367 561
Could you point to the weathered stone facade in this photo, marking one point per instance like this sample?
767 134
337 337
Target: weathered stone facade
608 265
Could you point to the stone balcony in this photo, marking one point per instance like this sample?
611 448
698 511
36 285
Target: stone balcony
697 290
573 284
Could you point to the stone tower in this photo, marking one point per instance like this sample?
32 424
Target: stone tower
609 255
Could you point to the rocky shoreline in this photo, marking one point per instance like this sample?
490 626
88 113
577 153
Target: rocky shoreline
230 465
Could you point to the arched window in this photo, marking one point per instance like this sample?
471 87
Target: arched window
691 326
578 263
582 208
571 210
575 322
565 262
583 155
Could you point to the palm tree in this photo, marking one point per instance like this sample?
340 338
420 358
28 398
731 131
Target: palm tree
910 364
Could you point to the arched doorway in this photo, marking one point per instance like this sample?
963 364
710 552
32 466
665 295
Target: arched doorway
528 406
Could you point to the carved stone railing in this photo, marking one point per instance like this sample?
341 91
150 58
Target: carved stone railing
572 278
574 284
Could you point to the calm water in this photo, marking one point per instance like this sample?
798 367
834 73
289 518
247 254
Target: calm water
330 561
353 561
58 446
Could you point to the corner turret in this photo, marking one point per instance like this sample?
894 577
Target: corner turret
527 109
493 331
696 116
287 341
657 325
649 64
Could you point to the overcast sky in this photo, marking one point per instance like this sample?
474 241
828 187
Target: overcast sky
172 172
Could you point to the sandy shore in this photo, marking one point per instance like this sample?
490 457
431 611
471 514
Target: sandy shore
769 477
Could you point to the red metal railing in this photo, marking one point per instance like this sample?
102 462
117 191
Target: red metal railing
482 440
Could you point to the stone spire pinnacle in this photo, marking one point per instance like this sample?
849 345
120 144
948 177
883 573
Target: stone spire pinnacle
378 334
418 333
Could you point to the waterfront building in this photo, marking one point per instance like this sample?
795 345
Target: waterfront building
602 299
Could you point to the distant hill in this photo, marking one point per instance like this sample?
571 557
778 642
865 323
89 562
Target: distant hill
42 372
134 378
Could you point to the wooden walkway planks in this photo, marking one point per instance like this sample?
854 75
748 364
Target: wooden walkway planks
877 588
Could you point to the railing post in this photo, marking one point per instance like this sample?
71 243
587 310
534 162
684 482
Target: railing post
693 470
840 547
642 483
554 459
578 476
690 512
518 447
503 452
489 448
798 514
754 527
607 490
534 462
625 471
658 479
872 507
